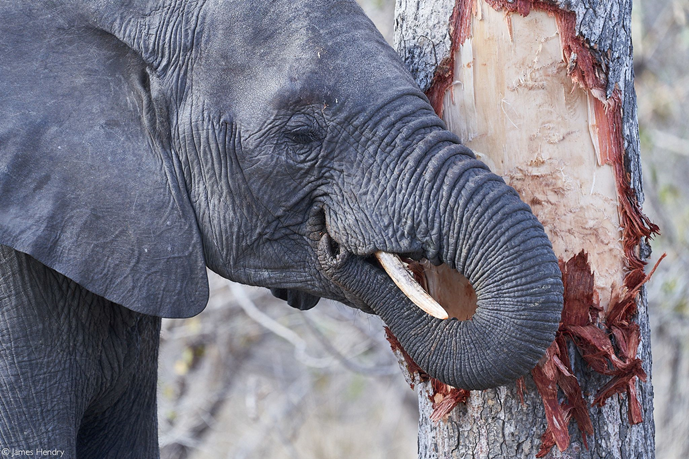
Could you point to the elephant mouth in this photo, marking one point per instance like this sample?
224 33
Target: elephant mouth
439 291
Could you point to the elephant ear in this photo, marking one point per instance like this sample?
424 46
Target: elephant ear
87 182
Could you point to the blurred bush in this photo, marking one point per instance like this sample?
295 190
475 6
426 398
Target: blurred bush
661 55
252 377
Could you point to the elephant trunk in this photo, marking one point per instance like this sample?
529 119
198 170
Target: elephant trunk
477 225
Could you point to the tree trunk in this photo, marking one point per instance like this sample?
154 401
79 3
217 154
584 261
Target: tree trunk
543 92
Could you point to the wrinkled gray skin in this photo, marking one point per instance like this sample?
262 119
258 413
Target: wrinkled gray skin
278 143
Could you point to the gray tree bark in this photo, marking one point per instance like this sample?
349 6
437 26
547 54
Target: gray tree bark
496 423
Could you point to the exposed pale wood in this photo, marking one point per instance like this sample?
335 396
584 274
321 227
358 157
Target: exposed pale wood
451 289
514 104
403 278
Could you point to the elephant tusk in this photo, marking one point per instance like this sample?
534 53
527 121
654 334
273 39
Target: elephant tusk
393 265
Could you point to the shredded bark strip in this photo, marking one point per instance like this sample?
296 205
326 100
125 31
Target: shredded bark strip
444 398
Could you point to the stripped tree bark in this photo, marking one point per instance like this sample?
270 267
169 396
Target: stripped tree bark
543 92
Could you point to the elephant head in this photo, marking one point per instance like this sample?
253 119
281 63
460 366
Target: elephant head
279 143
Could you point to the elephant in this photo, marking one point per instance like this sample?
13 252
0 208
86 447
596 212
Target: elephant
281 144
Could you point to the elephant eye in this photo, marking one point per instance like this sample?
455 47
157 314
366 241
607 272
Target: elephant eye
303 130
304 136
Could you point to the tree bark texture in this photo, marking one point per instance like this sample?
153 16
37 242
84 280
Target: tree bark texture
543 92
